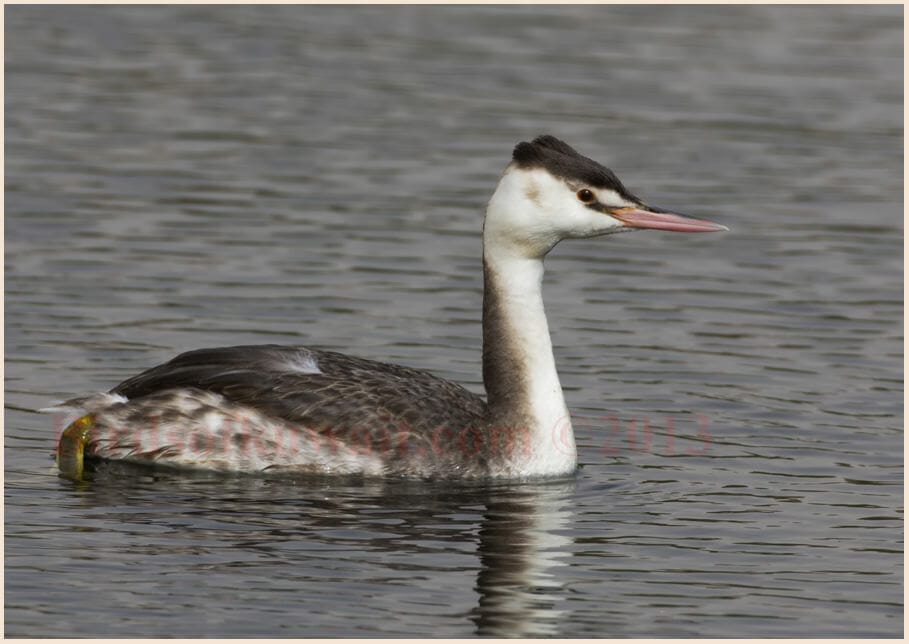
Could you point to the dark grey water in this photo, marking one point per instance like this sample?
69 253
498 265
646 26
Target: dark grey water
179 177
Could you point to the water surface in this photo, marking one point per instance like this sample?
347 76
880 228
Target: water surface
179 177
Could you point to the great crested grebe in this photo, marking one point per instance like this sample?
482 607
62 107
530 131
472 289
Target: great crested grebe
292 409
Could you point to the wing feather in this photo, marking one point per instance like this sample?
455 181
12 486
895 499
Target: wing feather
321 390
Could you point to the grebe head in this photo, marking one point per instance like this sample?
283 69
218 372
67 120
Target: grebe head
550 192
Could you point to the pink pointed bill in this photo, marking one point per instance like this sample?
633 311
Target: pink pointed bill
635 218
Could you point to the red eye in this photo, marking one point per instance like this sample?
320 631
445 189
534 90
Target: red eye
586 195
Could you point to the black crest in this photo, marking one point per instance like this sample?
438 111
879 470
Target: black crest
562 160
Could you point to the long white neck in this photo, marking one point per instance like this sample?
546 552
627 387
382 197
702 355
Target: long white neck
524 395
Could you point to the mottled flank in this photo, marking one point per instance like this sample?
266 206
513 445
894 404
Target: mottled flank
253 409
563 161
